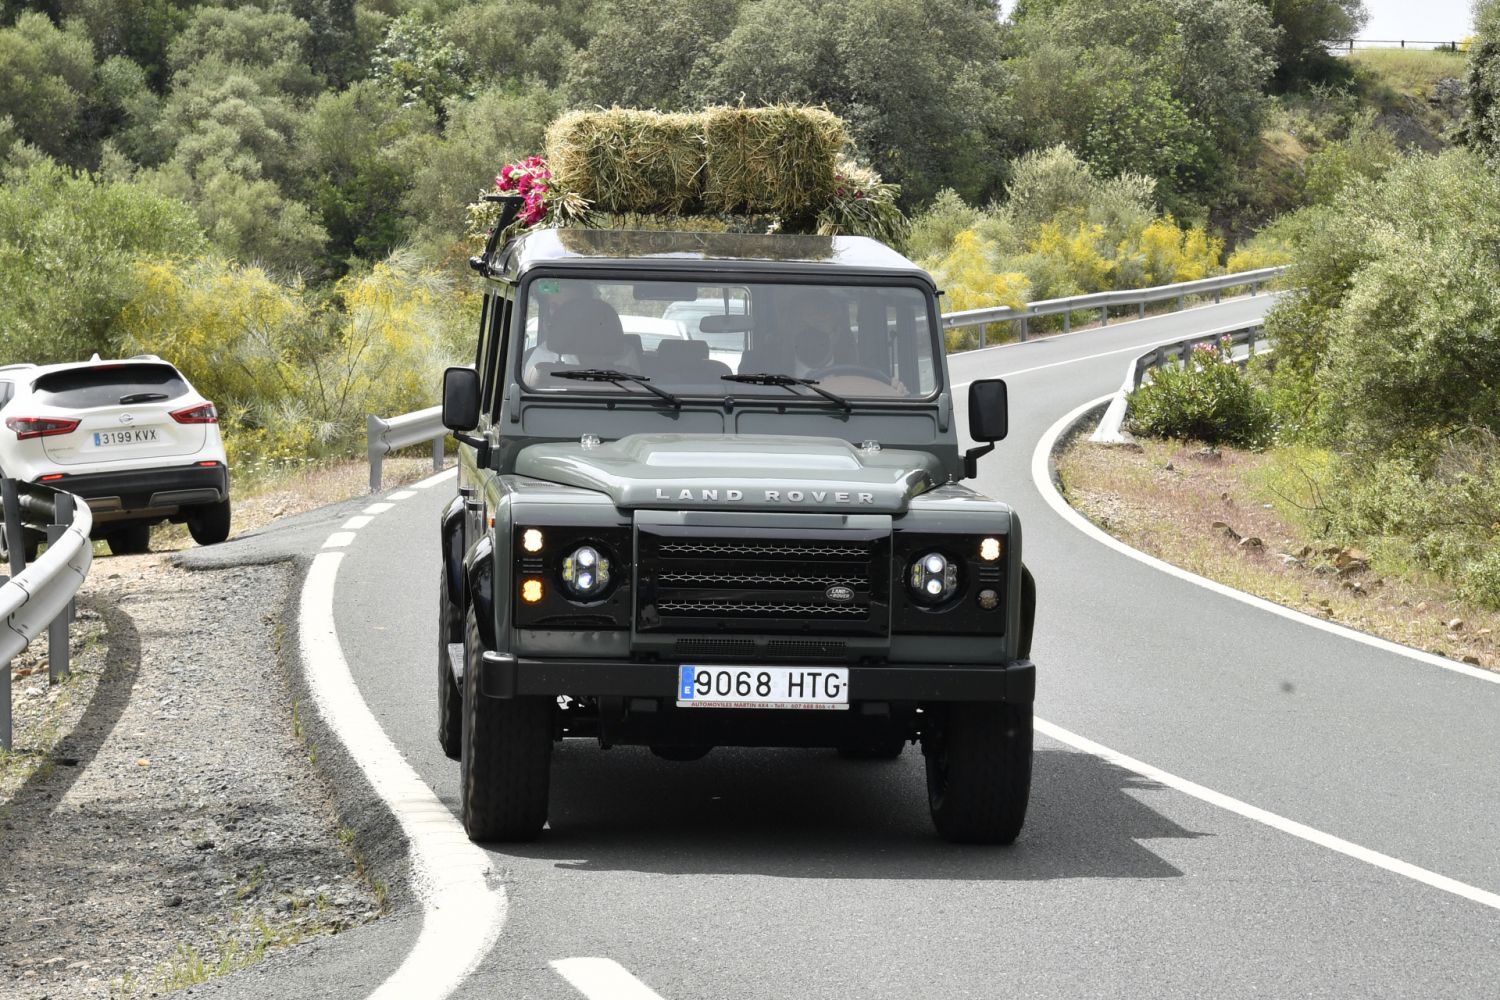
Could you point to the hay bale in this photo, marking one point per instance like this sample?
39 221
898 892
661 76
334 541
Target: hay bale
623 160
779 160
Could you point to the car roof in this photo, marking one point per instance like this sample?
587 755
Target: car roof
667 249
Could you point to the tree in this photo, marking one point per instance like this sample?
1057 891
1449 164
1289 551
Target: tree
45 76
420 64
270 47
1480 129
68 243
355 162
1307 28
650 53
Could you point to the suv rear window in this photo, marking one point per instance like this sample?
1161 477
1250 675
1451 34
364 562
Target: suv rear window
107 385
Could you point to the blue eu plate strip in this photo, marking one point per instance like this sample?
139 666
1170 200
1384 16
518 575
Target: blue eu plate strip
685 684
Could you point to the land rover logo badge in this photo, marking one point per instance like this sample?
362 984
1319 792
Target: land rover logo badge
839 595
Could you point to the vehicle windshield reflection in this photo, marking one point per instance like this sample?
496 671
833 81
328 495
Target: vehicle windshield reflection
690 338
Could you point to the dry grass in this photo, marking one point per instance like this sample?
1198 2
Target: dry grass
781 160
1411 72
1166 498
629 161
778 159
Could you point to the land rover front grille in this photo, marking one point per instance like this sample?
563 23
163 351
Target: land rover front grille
762 581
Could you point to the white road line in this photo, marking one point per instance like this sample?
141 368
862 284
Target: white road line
1138 349
462 912
402 495
356 522
378 508
434 479
602 979
1275 822
1041 474
338 539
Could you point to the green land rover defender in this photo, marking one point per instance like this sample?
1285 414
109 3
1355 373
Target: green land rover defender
710 493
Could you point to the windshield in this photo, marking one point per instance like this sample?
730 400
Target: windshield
684 336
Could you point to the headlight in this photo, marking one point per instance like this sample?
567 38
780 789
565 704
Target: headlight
585 573
932 578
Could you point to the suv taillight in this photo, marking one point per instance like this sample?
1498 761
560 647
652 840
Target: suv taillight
203 413
38 427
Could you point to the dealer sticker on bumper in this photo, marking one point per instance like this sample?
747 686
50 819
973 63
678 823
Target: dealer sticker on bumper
720 686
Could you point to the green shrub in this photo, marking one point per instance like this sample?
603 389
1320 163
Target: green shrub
1208 399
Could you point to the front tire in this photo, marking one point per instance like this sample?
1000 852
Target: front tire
506 762
209 524
131 540
450 698
979 771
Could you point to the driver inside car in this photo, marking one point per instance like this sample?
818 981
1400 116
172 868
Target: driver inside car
815 342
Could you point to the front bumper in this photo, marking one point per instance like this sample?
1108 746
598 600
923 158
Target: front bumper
505 675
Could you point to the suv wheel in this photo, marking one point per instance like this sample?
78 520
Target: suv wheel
506 758
450 698
979 771
29 545
209 524
131 540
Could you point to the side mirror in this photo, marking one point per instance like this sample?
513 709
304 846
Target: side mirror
460 399
989 412
989 420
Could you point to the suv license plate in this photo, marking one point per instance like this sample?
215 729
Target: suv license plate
139 435
825 688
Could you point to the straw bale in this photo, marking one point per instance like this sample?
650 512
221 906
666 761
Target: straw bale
777 159
623 160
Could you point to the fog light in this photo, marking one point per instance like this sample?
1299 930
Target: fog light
531 540
989 600
531 591
989 549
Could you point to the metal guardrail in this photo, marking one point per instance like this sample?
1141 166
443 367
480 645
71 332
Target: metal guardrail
384 436
40 596
1105 301
1346 45
1245 335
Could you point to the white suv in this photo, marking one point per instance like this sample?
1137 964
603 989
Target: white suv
131 437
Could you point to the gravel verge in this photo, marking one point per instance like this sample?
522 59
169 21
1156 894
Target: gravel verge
192 837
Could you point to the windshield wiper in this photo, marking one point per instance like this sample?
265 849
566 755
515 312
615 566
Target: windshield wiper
769 378
142 397
610 375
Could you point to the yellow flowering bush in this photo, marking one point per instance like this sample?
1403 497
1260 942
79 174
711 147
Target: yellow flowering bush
971 279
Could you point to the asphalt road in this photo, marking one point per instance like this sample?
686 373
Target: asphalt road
798 874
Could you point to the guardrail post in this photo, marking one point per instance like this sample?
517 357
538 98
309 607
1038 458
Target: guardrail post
14 538
1143 309
1025 326
984 330
1068 322
1181 302
375 448
1104 315
1254 287
57 632
1218 295
437 454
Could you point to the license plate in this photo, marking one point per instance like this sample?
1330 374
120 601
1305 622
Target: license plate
138 435
825 688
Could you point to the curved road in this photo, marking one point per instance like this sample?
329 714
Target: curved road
799 874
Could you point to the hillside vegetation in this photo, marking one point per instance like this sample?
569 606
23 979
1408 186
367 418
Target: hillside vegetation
273 192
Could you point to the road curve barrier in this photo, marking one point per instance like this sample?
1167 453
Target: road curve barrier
39 596
1242 345
1103 302
385 435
